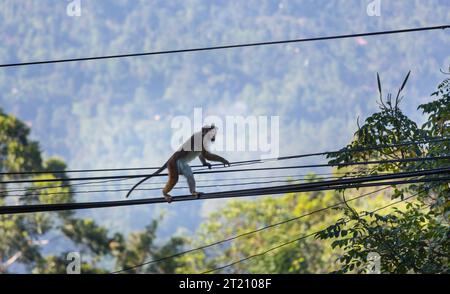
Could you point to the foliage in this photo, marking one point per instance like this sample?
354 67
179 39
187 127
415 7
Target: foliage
108 113
97 113
17 152
411 237
141 247
415 239
240 217
24 236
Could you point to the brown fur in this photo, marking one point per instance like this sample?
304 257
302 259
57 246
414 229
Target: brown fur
172 167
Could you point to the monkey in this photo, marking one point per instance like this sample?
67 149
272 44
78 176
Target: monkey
178 164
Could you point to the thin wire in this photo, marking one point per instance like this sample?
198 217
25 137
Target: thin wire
247 233
98 183
229 46
66 185
303 187
293 178
157 188
244 162
297 239
418 159
304 176
180 187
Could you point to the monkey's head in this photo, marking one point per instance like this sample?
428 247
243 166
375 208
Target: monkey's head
209 132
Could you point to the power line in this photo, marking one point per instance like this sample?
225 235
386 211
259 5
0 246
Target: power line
237 163
160 188
324 38
244 162
293 178
247 233
111 182
418 159
66 185
321 185
298 239
303 187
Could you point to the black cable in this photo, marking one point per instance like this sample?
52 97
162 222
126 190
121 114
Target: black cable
236 170
253 192
299 239
65 185
304 187
160 188
247 233
292 179
99 183
252 161
229 46
342 182
155 188
346 150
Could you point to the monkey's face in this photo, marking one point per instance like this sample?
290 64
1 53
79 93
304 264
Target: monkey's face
210 132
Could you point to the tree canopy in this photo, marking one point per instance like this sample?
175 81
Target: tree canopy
23 237
409 238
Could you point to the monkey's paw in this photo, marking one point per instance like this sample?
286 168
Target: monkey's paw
197 194
168 198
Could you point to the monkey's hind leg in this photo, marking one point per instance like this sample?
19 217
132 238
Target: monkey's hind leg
172 181
191 183
186 171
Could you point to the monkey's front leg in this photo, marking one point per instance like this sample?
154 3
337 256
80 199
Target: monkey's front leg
214 157
204 162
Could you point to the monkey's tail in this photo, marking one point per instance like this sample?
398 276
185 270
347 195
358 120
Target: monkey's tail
146 178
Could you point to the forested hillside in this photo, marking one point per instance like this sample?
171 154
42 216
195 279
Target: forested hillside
117 113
